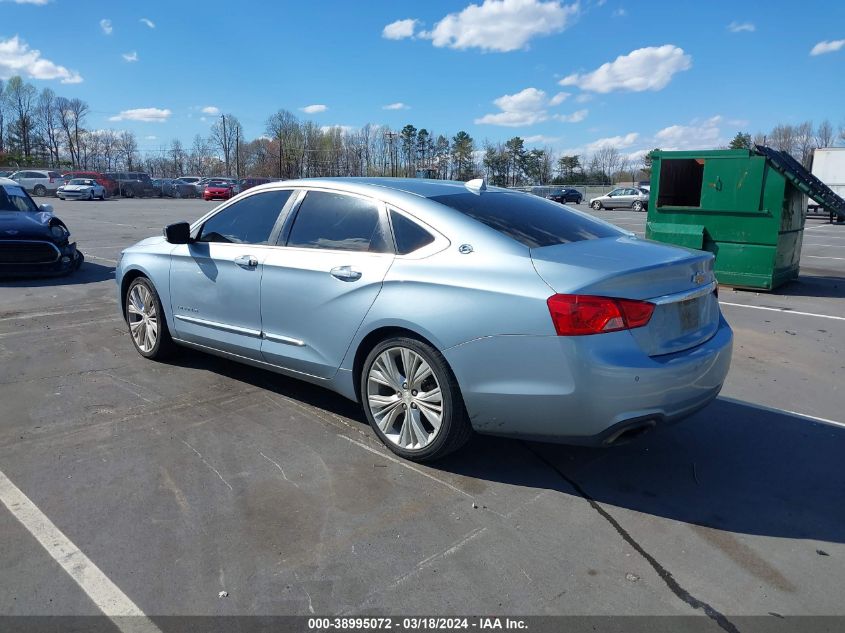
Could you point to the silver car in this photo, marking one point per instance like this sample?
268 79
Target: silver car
81 189
443 307
627 197
38 182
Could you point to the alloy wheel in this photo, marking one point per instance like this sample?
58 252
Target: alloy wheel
143 318
404 397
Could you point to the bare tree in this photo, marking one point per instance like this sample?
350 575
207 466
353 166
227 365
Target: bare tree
200 156
48 123
127 145
824 134
608 161
805 142
22 97
224 135
783 138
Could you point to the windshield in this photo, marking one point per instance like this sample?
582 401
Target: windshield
14 198
530 220
219 183
81 181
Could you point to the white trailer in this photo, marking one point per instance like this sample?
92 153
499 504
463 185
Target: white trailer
829 167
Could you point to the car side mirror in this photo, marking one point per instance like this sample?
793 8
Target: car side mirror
178 233
46 208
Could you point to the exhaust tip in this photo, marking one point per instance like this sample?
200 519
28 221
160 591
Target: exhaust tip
630 433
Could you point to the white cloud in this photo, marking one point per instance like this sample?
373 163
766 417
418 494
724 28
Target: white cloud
105 24
150 138
619 13
315 108
396 106
649 68
558 98
399 30
618 142
575 117
148 115
584 97
148 22
346 129
527 107
501 25
210 110
826 46
739 27
17 58
540 139
697 135
130 57
36 2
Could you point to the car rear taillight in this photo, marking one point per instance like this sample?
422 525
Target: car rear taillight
581 315
52 179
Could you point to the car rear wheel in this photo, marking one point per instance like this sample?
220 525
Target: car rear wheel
40 190
596 205
637 206
128 192
413 401
147 324
90 195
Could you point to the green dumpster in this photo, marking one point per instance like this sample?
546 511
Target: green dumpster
744 206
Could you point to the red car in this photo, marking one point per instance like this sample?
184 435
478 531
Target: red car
109 184
218 189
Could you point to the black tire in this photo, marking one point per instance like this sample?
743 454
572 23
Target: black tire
128 192
164 345
638 206
597 206
455 428
39 190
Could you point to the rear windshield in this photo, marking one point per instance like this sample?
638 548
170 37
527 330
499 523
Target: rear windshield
530 220
14 198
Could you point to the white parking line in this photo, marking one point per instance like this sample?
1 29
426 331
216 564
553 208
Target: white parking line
820 257
102 259
804 416
786 310
103 592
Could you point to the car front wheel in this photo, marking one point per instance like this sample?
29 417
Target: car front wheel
147 324
637 206
412 400
596 205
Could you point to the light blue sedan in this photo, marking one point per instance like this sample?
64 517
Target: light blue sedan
443 307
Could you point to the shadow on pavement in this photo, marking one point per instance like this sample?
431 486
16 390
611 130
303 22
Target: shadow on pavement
732 467
88 273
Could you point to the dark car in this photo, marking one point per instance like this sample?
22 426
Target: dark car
566 195
109 184
173 188
133 184
247 183
33 241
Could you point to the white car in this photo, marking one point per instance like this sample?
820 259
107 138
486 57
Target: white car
81 189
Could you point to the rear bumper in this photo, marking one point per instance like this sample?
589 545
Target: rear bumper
584 390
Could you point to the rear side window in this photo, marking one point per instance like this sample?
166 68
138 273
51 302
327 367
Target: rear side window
409 235
338 222
247 221
14 198
530 220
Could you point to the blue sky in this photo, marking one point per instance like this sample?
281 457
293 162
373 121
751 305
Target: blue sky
679 74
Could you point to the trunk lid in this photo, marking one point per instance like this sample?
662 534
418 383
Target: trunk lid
679 281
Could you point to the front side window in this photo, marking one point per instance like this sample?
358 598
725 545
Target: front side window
247 221
338 222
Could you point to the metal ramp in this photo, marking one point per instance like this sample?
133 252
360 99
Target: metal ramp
803 180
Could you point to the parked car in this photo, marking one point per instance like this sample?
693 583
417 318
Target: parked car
191 180
443 307
133 184
38 182
566 195
33 241
109 184
248 183
630 197
218 189
81 189
173 188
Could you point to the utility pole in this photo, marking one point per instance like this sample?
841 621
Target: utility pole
225 144
238 151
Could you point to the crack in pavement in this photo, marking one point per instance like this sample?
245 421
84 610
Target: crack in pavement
664 574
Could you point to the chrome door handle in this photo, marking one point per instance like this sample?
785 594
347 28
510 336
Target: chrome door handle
345 273
246 261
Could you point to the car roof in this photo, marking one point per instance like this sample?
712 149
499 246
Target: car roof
9 181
